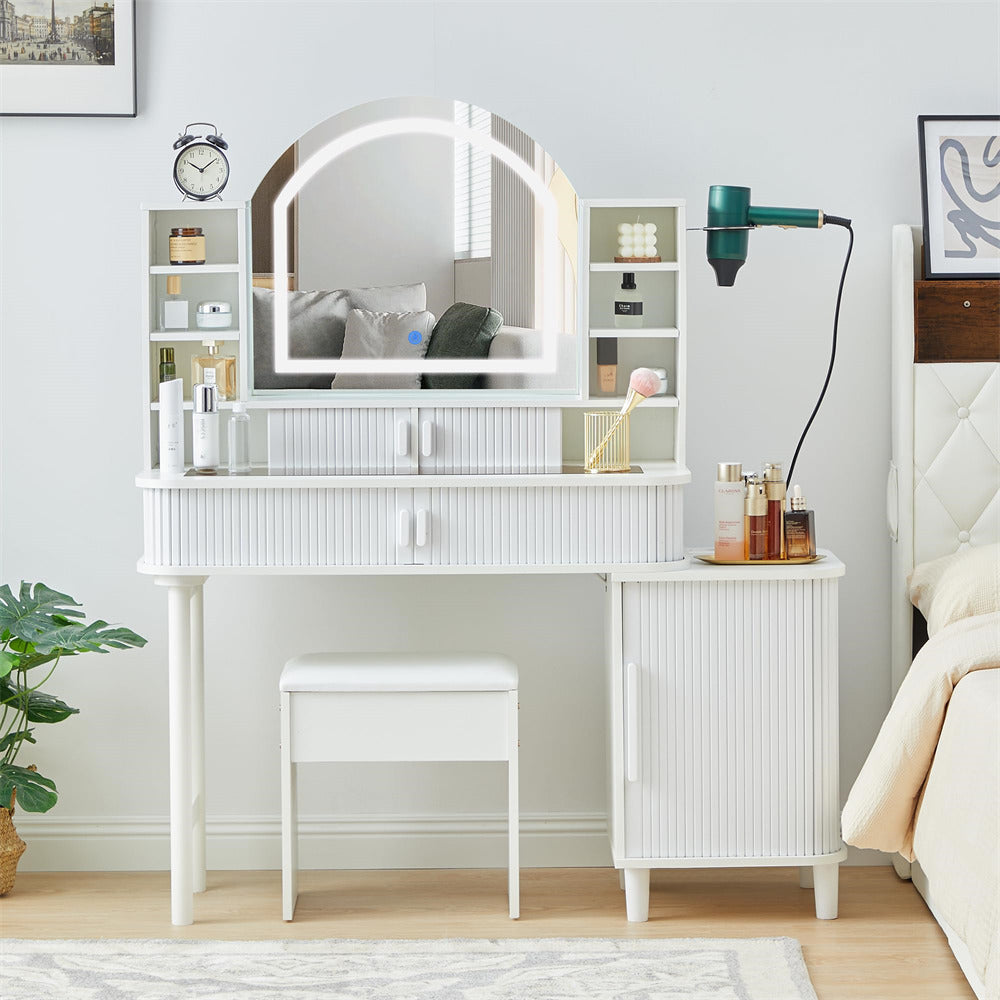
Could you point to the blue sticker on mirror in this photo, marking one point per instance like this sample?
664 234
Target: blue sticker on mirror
415 337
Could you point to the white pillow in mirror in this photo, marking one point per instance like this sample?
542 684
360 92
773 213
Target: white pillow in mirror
378 335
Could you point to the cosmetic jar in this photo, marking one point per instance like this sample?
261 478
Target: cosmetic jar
214 315
187 245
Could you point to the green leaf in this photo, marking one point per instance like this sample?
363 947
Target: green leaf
41 707
11 738
7 662
35 793
92 638
28 616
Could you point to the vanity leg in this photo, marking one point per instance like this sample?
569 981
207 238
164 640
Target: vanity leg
827 880
621 879
637 894
806 877
198 737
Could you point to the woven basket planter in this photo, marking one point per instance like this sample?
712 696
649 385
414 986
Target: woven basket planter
11 849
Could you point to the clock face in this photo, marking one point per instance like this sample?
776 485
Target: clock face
201 170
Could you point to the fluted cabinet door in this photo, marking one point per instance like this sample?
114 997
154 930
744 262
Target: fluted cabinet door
730 734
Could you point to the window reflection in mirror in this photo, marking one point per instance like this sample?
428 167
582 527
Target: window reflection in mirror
419 250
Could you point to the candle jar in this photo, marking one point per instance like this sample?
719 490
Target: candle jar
187 245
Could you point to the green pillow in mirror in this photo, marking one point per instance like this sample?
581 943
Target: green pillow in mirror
463 331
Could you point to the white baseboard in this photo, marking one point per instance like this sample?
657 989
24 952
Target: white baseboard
253 843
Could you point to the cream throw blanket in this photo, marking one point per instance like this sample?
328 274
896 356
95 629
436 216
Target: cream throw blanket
882 807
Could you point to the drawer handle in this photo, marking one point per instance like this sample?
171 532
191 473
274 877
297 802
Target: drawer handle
426 439
423 524
403 529
402 438
631 722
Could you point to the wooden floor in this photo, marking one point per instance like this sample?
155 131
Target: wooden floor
885 945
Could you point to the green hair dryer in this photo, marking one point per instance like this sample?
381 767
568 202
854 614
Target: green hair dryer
731 217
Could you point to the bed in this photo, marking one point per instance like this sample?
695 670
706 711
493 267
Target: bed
930 789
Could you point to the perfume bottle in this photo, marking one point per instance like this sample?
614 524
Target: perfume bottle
729 500
607 364
800 528
205 428
173 309
215 369
774 488
168 370
756 521
628 304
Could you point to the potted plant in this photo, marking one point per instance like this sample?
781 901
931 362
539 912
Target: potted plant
38 627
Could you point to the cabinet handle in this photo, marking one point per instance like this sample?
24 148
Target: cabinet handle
631 722
423 523
402 438
403 529
426 439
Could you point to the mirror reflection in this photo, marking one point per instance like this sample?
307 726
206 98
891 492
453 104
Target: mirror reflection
416 249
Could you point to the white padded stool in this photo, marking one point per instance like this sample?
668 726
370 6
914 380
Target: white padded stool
395 707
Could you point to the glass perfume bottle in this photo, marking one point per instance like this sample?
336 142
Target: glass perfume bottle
628 304
173 309
215 368
774 487
756 521
800 528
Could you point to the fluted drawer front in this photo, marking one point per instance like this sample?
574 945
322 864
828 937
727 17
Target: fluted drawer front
737 719
523 526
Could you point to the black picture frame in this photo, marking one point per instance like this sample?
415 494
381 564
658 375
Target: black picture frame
73 90
959 240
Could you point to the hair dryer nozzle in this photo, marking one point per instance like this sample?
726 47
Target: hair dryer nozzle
725 270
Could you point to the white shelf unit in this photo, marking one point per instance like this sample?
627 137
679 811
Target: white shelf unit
658 424
223 276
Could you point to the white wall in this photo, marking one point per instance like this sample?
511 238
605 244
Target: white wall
810 104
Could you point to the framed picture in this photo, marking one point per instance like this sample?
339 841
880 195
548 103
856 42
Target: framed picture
67 57
960 187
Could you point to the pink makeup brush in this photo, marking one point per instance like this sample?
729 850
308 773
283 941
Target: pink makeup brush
642 384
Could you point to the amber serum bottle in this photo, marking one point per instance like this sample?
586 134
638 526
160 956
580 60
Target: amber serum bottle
800 528
774 487
756 516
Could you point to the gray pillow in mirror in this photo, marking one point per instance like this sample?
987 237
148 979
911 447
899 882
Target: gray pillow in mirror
317 324
380 335
463 331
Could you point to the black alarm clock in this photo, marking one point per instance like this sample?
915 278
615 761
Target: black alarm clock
201 169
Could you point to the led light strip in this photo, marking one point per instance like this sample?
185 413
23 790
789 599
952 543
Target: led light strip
408 126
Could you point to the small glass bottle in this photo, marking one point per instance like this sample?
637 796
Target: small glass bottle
628 304
173 309
774 487
168 370
215 369
800 528
756 518
239 440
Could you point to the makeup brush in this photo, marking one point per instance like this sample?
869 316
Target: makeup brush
642 384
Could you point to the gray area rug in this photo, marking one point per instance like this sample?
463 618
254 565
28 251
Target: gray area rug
504 969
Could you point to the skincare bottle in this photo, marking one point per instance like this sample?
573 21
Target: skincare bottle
774 488
756 521
172 428
729 513
239 440
173 309
607 364
205 428
800 528
628 304
215 369
168 370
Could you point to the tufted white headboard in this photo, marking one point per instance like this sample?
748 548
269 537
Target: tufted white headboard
944 476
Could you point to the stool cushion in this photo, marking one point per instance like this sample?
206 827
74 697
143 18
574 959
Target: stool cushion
399 672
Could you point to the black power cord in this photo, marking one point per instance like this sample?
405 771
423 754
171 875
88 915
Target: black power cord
828 220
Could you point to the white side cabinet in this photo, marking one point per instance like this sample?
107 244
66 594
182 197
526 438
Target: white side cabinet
724 723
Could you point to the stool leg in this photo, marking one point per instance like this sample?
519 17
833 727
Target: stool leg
513 821
289 816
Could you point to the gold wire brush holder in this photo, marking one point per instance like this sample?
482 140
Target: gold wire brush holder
609 455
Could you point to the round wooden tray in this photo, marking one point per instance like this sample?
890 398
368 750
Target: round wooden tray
707 557
638 260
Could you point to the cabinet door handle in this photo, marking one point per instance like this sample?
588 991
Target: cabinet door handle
423 524
403 529
631 722
426 439
402 438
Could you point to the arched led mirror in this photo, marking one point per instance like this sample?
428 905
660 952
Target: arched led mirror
415 244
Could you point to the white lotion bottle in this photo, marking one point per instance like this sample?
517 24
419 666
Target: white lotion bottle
172 427
205 428
729 513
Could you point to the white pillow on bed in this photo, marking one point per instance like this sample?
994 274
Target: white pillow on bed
958 586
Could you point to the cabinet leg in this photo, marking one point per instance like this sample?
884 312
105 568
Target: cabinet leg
621 879
827 882
806 877
198 738
637 894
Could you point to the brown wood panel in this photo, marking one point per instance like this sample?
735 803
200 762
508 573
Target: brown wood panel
260 216
956 320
